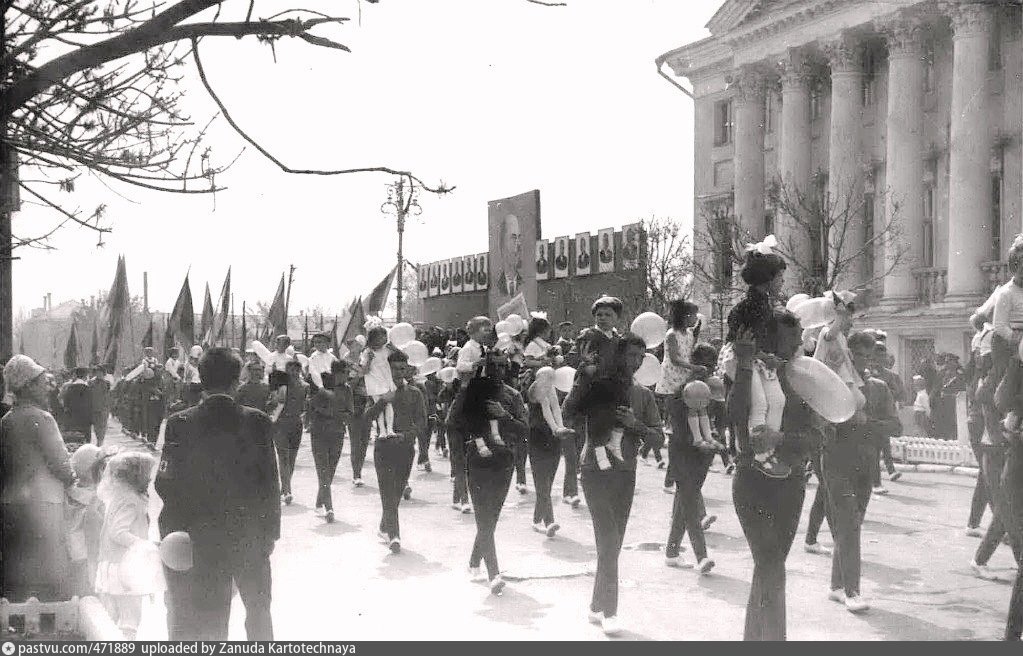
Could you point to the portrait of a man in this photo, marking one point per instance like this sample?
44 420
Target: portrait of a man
630 246
582 262
511 256
445 279
481 272
607 254
542 265
456 274
561 259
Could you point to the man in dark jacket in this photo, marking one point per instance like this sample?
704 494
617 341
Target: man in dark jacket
218 482
99 393
76 400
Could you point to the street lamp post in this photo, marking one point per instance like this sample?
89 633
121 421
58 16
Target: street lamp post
402 201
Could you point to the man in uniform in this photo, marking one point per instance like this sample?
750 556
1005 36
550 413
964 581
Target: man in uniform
218 483
76 401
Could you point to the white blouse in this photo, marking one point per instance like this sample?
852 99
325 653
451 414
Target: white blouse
537 349
767 399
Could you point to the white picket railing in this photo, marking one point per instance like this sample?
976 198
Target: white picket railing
932 451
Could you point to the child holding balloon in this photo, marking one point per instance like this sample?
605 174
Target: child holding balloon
124 491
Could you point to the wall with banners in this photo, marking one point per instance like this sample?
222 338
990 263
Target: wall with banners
618 272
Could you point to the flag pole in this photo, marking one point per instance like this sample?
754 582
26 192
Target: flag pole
232 318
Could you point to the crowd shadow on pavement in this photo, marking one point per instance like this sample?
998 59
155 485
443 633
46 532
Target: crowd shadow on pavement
335 529
731 590
903 627
569 550
888 577
408 564
513 607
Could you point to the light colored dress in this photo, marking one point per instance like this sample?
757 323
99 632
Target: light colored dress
378 374
673 377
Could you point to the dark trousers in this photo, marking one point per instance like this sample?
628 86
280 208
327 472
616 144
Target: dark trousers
609 497
571 448
685 511
423 448
199 600
768 511
819 510
392 458
544 462
848 464
358 434
287 439
489 480
456 450
326 454
521 451
1012 498
99 425
993 459
884 447
981 495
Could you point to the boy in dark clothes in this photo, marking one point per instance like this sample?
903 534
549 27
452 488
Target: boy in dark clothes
393 454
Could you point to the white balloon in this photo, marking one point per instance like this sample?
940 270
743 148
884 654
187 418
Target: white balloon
795 301
564 378
262 351
447 374
815 312
822 389
502 327
431 366
417 353
401 334
516 324
176 551
651 327
303 359
649 372
290 351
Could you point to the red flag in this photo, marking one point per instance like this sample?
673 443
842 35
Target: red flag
116 311
94 357
225 309
245 330
378 297
147 339
182 320
206 321
356 321
278 317
71 350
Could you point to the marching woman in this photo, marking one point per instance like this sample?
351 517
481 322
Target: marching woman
676 370
768 508
330 409
546 430
489 461
600 407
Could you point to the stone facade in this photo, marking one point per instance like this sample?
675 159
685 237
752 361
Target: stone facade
914 106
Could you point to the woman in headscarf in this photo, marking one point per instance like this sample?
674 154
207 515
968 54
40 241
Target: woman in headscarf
36 472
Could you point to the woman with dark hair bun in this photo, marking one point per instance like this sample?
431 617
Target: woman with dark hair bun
768 508
764 272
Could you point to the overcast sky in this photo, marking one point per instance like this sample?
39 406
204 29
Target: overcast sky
495 97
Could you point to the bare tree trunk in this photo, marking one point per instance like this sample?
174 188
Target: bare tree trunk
7 175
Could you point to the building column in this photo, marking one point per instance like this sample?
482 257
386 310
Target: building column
794 162
904 165
845 170
969 194
749 150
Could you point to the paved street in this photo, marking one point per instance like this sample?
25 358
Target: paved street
338 582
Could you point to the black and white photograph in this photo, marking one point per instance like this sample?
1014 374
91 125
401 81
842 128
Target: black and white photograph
747 365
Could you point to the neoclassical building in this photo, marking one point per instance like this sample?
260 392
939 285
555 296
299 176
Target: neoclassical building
903 108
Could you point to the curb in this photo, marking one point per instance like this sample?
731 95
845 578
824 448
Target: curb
972 472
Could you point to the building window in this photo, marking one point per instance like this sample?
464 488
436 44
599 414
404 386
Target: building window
769 222
996 217
769 112
868 85
816 92
928 227
723 123
722 243
994 60
929 73
868 237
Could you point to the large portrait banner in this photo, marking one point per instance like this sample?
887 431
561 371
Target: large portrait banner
514 226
